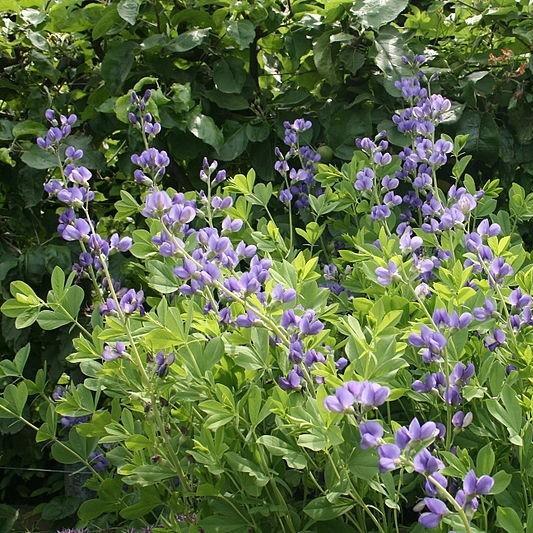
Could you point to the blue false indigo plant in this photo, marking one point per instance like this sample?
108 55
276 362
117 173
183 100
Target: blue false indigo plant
367 368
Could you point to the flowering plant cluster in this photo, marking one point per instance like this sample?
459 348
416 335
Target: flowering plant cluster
373 375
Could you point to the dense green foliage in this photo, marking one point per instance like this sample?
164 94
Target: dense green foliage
226 75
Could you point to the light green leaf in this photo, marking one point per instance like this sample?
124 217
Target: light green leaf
188 40
204 128
375 13
243 31
128 10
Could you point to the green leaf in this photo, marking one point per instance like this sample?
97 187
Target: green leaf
162 277
117 64
205 129
257 132
375 13
485 460
243 31
507 518
147 475
8 517
128 10
188 40
483 134
234 145
229 75
28 127
211 355
39 159
313 442
16 396
323 58
5 157
390 49
321 509
21 357
233 102
278 447
241 464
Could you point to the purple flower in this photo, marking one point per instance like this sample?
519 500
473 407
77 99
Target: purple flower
121 244
461 420
309 324
386 275
132 301
364 180
436 510
341 363
461 374
494 339
409 243
474 486
425 463
498 270
289 318
371 434
285 195
77 230
485 312
232 225
389 457
426 384
380 212
373 395
78 175
98 461
52 187
432 342
341 401
432 489
486 229
156 204
519 300
422 432
281 294
221 203
163 362
111 353
58 393
292 381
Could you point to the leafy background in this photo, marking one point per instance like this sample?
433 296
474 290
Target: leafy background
227 74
